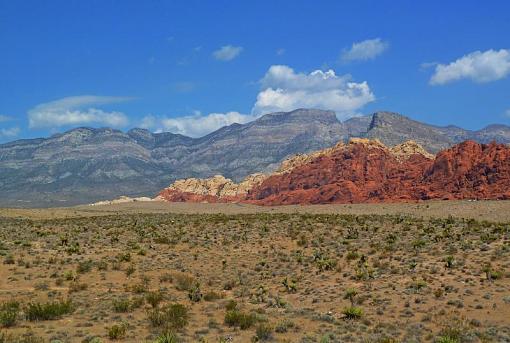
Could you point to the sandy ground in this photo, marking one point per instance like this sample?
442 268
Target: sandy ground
480 210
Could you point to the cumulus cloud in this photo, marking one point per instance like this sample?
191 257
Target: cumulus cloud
284 90
9 132
77 110
490 65
197 124
365 50
227 52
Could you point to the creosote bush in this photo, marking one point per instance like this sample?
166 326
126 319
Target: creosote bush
170 317
240 319
48 311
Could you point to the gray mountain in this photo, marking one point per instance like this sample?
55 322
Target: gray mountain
393 128
85 165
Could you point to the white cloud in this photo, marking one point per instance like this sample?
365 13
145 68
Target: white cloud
280 52
196 125
9 133
284 90
490 65
4 118
76 110
365 50
227 52
507 113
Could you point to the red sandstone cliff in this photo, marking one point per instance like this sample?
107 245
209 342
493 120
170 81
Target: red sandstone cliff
367 171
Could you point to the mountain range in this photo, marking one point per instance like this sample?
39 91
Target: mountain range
85 165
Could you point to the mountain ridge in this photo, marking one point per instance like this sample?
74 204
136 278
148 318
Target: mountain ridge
85 165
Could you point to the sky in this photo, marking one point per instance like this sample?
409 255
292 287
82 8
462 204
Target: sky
191 67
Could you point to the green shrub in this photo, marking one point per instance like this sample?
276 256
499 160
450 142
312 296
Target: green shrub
447 339
231 305
9 313
194 294
117 331
48 311
173 316
154 298
353 312
84 267
284 326
240 319
121 305
167 337
263 332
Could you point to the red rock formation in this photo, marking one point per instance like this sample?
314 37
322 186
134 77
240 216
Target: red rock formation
367 171
362 173
469 170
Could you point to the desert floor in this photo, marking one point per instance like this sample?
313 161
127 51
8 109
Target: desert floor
159 272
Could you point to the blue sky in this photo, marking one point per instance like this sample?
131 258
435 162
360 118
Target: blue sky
192 66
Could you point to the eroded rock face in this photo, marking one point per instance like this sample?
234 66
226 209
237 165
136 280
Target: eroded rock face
361 171
407 149
469 170
370 172
215 189
365 171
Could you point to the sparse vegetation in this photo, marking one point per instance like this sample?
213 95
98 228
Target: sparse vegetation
257 277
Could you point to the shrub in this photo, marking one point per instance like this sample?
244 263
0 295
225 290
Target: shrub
240 319
183 282
25 338
449 261
84 267
284 326
231 305
130 270
9 259
194 294
351 293
167 337
353 312
48 311
117 331
446 339
211 296
9 313
290 285
76 286
352 255
124 257
121 305
263 332
154 298
174 316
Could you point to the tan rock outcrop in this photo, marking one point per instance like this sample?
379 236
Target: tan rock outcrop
216 188
409 148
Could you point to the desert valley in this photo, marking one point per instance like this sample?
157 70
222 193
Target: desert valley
254 171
